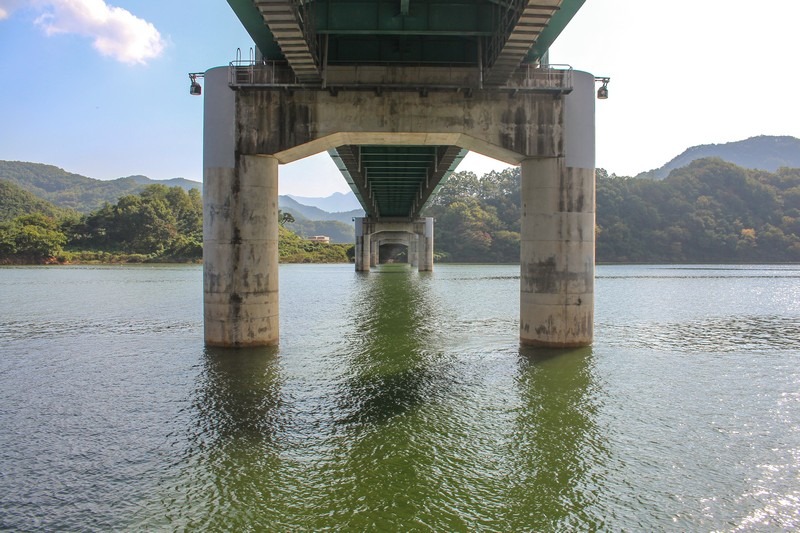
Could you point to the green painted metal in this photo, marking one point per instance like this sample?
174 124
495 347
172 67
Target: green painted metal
401 31
395 174
253 23
557 23
432 32
358 17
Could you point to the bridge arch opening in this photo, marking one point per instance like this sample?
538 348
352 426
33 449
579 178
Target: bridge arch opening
248 133
393 252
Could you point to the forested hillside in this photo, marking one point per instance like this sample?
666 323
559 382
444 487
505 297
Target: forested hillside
709 211
161 223
477 220
73 191
16 201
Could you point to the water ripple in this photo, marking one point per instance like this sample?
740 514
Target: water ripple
717 335
39 329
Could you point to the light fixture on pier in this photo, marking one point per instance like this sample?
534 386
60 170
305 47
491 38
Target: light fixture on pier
195 89
602 92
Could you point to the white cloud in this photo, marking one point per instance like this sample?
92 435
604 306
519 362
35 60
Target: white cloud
116 32
7 6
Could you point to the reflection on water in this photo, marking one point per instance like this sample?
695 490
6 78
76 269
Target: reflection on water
389 370
239 397
555 444
231 448
384 471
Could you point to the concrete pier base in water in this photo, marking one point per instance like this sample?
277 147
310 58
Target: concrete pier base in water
240 253
424 231
363 255
415 234
556 254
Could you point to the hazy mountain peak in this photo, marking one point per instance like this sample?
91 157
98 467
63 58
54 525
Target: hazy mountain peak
335 203
763 152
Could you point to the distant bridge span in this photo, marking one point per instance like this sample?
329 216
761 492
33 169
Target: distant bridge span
397 91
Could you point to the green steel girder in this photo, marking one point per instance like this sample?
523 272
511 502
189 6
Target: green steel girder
385 17
402 31
253 22
423 49
388 185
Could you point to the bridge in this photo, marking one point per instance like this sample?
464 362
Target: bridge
397 92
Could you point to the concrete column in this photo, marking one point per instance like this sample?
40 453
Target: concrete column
425 245
240 252
362 245
375 250
557 254
412 250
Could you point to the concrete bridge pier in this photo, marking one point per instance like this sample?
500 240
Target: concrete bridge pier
375 251
363 245
423 228
557 241
240 252
412 251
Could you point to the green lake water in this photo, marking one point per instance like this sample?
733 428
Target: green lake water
400 401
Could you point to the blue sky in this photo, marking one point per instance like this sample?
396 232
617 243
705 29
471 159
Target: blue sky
100 87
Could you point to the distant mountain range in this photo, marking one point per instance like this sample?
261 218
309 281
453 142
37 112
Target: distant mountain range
289 204
335 203
764 152
310 220
73 191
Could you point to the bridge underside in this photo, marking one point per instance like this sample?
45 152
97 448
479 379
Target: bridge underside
495 36
348 44
395 181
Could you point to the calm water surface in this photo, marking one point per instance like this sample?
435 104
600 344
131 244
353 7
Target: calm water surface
400 401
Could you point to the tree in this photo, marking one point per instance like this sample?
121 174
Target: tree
31 238
285 218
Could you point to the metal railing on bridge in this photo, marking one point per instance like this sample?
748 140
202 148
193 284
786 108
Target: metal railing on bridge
272 75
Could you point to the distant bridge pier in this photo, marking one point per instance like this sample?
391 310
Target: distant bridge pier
423 228
412 251
375 252
416 234
363 254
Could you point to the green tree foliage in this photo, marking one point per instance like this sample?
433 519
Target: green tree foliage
708 211
477 219
165 222
34 238
16 201
284 218
294 249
